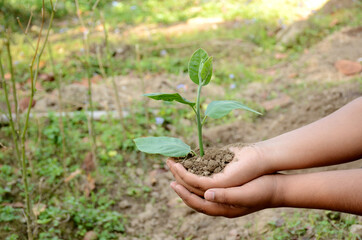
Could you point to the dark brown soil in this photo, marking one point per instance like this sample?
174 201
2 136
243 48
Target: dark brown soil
214 161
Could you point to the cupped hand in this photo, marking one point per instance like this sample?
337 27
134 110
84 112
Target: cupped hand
248 164
253 196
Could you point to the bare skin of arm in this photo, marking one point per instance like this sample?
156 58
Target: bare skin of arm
334 190
334 139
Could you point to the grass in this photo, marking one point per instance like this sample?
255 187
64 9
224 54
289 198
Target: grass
241 44
317 225
68 45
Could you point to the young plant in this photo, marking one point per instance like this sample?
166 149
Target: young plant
19 131
200 72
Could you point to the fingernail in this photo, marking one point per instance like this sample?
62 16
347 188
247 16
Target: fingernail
173 184
209 195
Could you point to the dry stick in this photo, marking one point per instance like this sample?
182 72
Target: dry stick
111 68
145 104
20 155
28 26
95 5
104 76
100 63
25 31
34 76
12 125
87 64
60 107
11 67
28 211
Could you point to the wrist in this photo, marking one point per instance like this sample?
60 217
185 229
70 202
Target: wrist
265 157
278 199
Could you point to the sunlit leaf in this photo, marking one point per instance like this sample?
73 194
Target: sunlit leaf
169 97
196 60
218 109
167 146
206 71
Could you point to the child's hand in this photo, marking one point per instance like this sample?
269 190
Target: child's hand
247 165
244 186
232 202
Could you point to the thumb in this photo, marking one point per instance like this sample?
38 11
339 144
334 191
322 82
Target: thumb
223 195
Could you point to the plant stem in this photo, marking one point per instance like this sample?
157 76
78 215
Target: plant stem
25 31
89 74
12 125
11 67
20 156
34 77
198 119
204 120
138 65
60 107
111 69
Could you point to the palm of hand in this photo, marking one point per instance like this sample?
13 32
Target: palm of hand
246 166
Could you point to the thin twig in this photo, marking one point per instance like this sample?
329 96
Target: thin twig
111 69
100 63
11 120
95 5
90 100
25 31
28 26
13 82
34 76
60 108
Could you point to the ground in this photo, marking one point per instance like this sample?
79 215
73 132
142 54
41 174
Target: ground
292 80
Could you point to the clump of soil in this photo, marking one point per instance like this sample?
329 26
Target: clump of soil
214 161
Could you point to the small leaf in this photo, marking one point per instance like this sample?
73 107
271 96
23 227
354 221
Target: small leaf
196 60
43 221
167 146
169 97
218 109
206 71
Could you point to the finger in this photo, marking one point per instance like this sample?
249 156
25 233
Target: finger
172 165
201 183
207 207
228 178
231 196
255 194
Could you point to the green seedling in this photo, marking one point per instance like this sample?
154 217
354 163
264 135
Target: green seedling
200 72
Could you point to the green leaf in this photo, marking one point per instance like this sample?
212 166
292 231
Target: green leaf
206 71
169 97
167 146
43 221
199 57
218 109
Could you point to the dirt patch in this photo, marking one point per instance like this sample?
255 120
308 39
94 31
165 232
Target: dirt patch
214 161
308 106
130 89
317 63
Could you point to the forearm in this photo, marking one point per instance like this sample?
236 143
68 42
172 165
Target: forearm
334 139
334 190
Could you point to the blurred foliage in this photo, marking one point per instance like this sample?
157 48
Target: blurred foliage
164 12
